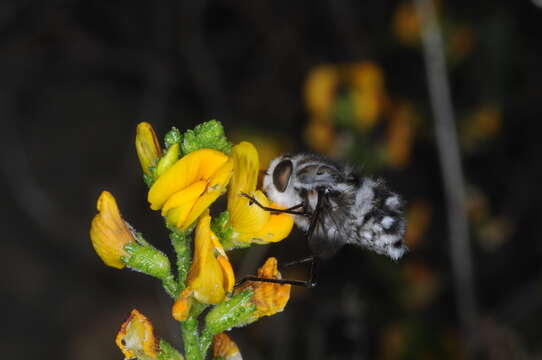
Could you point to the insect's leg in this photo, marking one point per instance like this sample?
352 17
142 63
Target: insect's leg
297 262
314 263
290 210
275 281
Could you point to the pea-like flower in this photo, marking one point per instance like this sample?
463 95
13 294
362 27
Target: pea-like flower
225 348
211 275
109 232
190 186
147 147
136 338
250 223
269 298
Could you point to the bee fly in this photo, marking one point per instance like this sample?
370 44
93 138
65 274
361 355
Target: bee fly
334 206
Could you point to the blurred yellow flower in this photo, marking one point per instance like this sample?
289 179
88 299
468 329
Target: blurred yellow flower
368 93
406 25
320 136
461 42
147 146
400 134
250 223
190 186
418 219
136 337
225 348
211 275
109 233
269 298
320 89
423 285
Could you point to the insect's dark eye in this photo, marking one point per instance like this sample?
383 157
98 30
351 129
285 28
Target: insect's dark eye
281 174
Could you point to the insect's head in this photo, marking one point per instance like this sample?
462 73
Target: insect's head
278 179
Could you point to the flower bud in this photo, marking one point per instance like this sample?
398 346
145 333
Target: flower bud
109 233
234 312
147 147
148 260
208 135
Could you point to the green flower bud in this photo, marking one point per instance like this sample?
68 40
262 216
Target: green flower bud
208 135
232 313
172 137
172 155
147 260
168 352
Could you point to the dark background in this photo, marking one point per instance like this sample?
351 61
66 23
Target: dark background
77 76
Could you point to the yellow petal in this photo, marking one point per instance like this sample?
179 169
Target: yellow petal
136 337
181 308
147 146
205 277
245 175
249 219
227 270
109 233
217 185
186 195
277 228
224 347
198 165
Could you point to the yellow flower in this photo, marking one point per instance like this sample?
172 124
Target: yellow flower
400 135
109 233
368 93
136 337
269 298
251 223
406 25
320 136
190 186
147 146
224 347
211 275
320 88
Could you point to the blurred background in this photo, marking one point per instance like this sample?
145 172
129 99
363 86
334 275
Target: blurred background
343 78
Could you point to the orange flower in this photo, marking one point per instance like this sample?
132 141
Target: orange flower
269 298
224 347
109 233
136 337
211 275
187 188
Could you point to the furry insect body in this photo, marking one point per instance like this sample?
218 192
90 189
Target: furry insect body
353 209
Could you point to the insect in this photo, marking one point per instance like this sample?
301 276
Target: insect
335 206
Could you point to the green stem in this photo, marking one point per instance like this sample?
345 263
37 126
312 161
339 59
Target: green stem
181 244
189 329
171 286
205 341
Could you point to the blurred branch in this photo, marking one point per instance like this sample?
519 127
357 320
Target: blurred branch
449 155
